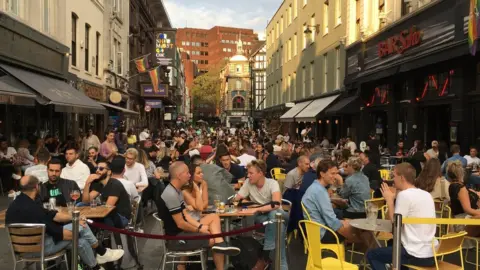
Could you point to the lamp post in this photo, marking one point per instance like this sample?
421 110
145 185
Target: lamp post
309 32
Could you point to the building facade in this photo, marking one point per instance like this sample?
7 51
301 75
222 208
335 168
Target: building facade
305 63
258 68
236 90
415 78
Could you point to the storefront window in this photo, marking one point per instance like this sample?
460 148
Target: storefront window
436 85
378 96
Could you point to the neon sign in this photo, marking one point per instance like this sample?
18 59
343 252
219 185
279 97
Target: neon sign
399 43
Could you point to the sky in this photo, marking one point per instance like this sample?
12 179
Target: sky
250 14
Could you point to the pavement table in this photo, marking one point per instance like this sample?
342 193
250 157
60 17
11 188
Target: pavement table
381 225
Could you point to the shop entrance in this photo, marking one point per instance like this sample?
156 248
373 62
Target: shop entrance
437 123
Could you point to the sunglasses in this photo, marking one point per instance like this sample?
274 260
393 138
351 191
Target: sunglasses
99 168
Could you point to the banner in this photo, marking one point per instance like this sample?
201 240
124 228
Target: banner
142 64
148 91
154 103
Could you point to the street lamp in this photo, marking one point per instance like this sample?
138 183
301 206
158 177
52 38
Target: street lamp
309 32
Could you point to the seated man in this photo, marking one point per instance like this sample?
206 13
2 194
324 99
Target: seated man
262 190
294 177
226 163
40 170
117 167
94 158
319 207
112 194
25 210
416 238
57 187
177 221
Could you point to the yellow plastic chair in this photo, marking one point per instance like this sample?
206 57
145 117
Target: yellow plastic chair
385 174
477 250
278 173
448 244
339 251
315 248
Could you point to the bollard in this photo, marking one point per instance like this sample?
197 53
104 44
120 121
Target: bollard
75 232
278 240
397 244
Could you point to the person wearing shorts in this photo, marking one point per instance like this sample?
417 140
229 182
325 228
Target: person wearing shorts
177 221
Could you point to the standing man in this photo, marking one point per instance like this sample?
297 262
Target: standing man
351 145
40 170
295 177
374 147
262 190
237 171
144 134
24 209
75 169
57 187
93 159
112 194
416 238
135 171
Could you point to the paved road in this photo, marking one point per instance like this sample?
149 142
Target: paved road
151 252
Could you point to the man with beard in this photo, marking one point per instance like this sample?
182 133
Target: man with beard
57 187
93 159
75 169
113 194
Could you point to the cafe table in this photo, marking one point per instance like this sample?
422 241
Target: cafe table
380 225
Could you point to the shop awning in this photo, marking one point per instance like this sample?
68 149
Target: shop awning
120 109
12 87
346 105
309 114
61 94
290 114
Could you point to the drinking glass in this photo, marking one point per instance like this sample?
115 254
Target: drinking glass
70 206
216 201
46 205
372 214
75 195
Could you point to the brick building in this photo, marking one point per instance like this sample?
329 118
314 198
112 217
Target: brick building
208 47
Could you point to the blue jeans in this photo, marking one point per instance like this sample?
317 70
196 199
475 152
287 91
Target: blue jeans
377 258
116 220
86 240
270 234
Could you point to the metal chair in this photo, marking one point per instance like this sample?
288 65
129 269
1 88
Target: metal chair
132 226
179 254
27 245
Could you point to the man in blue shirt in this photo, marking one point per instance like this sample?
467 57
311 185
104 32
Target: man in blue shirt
455 150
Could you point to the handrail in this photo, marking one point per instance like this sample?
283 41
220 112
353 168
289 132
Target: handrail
447 221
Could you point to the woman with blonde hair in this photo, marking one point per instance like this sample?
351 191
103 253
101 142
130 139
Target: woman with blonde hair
148 164
431 180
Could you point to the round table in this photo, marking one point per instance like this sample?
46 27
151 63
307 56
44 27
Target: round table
381 225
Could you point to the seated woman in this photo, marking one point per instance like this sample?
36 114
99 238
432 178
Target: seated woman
431 180
355 189
317 203
195 192
464 202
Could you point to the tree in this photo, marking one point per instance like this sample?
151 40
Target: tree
206 88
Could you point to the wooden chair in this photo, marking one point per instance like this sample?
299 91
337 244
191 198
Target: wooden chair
27 243
339 250
448 244
315 248
169 254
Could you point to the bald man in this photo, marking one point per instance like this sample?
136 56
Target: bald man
24 209
295 177
177 221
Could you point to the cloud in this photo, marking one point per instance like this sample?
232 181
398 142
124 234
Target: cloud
209 13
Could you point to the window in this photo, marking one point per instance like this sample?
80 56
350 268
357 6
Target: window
294 86
74 39
289 49
304 84
238 84
183 43
87 45
325 17
97 53
13 6
314 32
188 43
238 68
277 30
337 68
358 7
325 72
289 88
305 38
295 8
290 14
46 16
312 78
281 25
338 11
238 102
119 59
381 14
224 49
229 50
198 44
295 41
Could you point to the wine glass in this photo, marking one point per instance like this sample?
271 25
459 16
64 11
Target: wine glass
75 195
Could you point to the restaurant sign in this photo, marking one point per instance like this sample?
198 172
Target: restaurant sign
400 43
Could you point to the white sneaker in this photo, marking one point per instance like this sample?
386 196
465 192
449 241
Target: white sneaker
110 256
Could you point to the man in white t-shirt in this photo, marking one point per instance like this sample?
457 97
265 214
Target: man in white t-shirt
262 190
472 158
134 171
75 169
40 169
351 145
245 158
416 238
117 167
144 135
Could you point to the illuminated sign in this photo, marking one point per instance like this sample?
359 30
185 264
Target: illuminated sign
164 48
399 43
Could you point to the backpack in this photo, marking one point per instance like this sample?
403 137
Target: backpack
251 251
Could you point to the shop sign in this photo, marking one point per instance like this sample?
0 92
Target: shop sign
147 90
164 48
153 103
400 43
93 91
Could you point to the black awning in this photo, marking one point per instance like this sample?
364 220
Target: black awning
346 105
61 94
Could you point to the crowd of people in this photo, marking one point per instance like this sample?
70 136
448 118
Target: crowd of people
182 172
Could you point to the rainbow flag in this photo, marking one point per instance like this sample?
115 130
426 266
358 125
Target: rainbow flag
473 25
155 78
142 64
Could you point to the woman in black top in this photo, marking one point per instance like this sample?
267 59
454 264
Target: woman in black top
464 202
